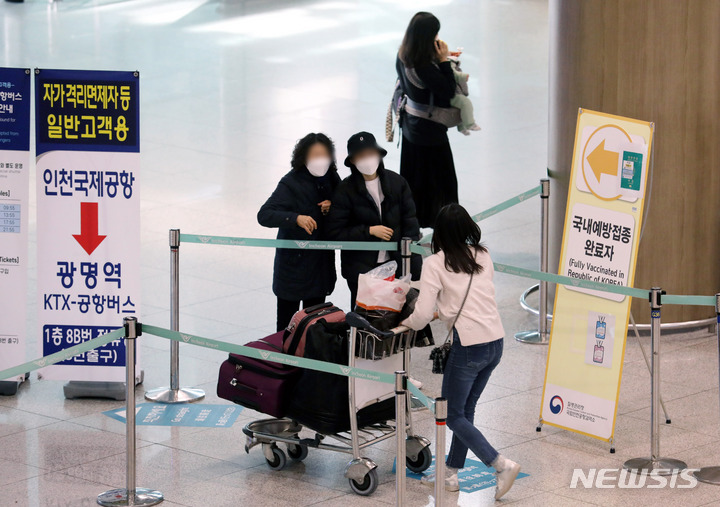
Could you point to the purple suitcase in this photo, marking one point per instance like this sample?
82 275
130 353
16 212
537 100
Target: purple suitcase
260 385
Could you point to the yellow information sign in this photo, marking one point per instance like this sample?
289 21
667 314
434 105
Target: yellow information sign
600 242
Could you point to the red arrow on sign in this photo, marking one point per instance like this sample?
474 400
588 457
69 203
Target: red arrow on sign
89 238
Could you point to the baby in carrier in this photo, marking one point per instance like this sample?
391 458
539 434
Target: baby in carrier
460 113
461 99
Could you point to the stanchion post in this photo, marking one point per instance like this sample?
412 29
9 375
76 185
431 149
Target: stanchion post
400 423
130 495
711 475
655 464
544 235
174 393
440 425
406 255
540 337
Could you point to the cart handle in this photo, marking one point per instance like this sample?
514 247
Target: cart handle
360 322
400 330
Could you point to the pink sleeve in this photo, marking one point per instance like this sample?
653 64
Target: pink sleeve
430 286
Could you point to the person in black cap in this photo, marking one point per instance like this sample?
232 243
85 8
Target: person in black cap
372 204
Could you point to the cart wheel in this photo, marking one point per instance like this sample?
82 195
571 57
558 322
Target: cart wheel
368 485
423 461
297 452
279 460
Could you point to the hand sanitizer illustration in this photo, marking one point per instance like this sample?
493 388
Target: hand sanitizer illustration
598 353
599 350
600 328
628 170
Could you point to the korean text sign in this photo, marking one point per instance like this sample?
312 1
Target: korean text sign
88 162
600 243
14 210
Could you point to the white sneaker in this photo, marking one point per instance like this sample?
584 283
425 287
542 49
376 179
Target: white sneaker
465 132
474 127
415 382
505 473
451 479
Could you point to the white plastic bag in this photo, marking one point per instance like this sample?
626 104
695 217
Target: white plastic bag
384 271
378 289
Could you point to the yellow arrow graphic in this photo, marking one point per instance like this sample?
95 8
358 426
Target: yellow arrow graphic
603 161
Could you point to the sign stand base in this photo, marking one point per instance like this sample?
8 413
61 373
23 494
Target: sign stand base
89 389
9 387
86 389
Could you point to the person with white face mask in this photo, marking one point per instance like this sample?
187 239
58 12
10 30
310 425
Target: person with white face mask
372 204
298 208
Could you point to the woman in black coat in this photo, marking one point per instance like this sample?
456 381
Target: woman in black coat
426 160
372 204
298 208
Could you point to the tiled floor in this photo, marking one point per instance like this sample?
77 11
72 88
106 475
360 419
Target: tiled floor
227 87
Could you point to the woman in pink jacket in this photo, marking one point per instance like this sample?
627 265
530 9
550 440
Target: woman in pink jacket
458 280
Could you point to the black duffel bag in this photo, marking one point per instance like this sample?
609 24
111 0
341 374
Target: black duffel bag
385 320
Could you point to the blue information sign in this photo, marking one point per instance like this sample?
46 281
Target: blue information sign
88 215
59 337
15 169
14 109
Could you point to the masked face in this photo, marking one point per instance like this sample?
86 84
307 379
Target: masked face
368 165
318 166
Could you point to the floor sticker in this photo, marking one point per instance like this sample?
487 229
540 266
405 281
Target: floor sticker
473 477
197 415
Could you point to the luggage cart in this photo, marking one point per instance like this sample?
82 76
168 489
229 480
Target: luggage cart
370 348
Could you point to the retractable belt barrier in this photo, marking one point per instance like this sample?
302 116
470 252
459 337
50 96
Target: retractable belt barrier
345 245
418 248
498 208
63 355
289 243
276 357
415 391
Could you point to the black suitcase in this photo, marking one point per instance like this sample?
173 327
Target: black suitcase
320 401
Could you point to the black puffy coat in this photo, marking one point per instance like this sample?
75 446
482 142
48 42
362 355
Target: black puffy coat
354 211
300 274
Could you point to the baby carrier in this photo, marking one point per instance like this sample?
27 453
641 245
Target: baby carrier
448 116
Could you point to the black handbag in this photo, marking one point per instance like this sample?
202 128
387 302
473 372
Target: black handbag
439 355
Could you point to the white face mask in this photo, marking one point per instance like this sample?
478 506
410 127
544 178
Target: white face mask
318 167
368 165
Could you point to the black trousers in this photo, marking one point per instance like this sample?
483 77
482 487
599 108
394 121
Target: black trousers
353 286
286 309
430 173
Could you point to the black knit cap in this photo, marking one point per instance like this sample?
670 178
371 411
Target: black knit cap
359 142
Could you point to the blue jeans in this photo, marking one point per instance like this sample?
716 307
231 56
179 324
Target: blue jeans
466 375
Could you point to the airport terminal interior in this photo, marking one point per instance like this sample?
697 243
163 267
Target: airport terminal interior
227 87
